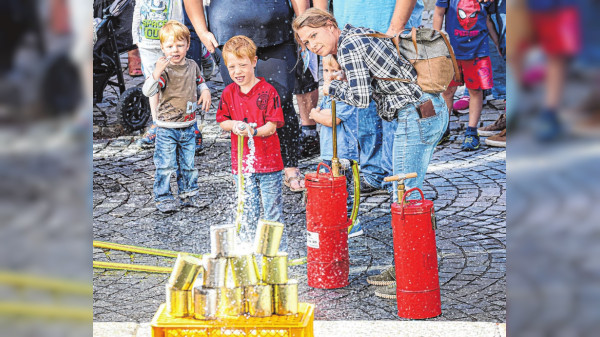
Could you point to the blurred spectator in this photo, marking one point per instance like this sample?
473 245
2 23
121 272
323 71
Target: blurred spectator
555 27
469 25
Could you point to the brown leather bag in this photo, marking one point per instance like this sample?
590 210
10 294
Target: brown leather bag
430 53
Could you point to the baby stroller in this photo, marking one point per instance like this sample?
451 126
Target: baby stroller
112 36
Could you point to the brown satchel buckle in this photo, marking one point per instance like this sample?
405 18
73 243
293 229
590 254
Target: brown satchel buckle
426 109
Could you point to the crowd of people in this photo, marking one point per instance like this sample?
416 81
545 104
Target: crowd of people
269 51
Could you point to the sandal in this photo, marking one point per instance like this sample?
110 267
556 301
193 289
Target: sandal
289 180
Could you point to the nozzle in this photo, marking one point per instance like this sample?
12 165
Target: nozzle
344 164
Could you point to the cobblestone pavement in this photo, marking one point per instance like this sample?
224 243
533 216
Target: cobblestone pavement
468 190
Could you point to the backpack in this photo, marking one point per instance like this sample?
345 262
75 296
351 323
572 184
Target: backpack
430 53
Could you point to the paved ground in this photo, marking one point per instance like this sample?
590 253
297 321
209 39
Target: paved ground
468 189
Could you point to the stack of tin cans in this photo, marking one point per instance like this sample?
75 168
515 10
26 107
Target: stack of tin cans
179 287
231 284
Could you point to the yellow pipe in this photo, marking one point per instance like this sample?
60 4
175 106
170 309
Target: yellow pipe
39 282
297 262
240 206
335 162
138 249
46 311
132 267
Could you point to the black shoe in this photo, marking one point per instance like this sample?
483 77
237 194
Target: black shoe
167 206
366 189
446 137
309 145
194 201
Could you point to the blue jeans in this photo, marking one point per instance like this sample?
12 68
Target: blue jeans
389 129
265 187
174 150
415 139
370 143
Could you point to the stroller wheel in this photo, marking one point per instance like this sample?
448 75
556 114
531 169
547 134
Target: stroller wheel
134 109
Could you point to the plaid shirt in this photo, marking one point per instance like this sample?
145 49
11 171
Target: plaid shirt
363 58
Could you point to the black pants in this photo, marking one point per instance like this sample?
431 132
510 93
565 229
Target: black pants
276 65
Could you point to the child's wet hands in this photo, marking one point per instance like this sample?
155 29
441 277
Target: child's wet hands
205 100
240 128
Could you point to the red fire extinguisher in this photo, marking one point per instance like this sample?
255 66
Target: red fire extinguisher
415 254
327 223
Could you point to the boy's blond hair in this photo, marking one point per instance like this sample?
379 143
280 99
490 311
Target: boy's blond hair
240 46
331 60
174 29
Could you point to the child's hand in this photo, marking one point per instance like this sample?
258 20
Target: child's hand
161 65
314 112
240 128
339 75
205 99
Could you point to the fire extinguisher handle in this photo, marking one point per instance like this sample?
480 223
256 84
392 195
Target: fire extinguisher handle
319 168
400 177
412 190
404 198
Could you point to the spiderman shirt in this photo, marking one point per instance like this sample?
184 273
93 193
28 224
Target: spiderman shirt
466 26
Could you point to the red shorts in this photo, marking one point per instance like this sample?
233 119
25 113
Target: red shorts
558 31
475 73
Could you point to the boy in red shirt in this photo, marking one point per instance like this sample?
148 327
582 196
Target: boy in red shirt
250 101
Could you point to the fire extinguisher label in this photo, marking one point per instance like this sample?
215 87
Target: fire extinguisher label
312 240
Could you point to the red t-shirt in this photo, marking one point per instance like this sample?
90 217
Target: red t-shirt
260 105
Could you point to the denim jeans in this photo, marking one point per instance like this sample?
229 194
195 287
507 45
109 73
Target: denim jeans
370 143
265 187
415 139
174 150
387 151
498 71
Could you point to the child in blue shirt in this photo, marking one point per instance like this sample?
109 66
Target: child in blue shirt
346 127
346 120
468 26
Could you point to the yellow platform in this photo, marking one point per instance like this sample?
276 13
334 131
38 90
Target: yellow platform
300 325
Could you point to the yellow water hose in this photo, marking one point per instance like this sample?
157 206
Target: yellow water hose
138 249
47 284
46 311
240 205
148 251
356 177
53 286
132 267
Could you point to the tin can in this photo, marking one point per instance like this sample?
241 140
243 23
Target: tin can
244 270
275 269
230 301
185 271
285 298
179 302
259 300
222 240
214 272
205 303
268 237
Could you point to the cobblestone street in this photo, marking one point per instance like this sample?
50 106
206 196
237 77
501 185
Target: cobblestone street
468 190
